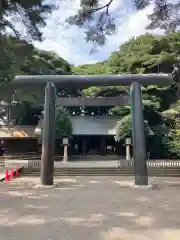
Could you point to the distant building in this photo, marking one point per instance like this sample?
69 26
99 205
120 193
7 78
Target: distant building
91 135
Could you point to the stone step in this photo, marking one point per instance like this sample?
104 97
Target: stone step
103 174
103 171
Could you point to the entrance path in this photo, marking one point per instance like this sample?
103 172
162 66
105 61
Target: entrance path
91 208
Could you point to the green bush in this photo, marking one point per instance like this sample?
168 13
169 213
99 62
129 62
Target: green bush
63 123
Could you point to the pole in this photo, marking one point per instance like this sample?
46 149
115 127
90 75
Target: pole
128 147
48 138
139 147
65 156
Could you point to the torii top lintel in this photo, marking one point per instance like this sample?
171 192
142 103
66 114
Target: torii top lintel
84 81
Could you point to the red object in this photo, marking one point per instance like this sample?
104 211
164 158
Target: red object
6 175
12 173
17 172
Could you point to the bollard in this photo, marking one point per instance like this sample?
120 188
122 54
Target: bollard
17 172
6 176
12 174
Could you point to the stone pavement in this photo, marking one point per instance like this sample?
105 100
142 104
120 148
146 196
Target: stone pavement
91 208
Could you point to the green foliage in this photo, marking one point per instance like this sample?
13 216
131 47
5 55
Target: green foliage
172 115
124 127
144 54
174 136
10 59
21 58
120 111
26 114
92 69
94 16
32 14
63 123
99 21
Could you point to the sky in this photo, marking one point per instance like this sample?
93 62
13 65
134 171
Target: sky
69 41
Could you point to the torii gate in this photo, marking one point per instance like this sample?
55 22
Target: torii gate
84 81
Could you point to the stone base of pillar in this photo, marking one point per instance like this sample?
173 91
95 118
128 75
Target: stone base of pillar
141 180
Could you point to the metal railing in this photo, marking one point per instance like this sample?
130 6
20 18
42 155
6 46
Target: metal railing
32 163
152 163
2 161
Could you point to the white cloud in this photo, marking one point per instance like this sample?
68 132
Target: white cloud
68 41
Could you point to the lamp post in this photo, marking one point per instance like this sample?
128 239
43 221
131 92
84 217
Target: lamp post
65 144
128 148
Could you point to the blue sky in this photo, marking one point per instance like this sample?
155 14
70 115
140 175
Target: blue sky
68 41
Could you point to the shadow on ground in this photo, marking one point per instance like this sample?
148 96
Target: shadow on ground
89 208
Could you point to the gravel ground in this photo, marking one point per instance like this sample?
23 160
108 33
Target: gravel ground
90 208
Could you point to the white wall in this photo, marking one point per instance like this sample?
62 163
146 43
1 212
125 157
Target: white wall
90 125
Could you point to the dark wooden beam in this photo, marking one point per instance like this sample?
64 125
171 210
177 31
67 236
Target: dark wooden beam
85 81
96 101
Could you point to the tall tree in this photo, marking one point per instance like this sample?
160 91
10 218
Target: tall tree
102 22
144 54
15 16
31 14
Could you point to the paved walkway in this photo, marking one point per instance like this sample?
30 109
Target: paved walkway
91 208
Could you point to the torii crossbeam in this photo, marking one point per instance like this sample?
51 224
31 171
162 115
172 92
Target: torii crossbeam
85 81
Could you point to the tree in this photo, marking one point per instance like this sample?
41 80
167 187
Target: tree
101 22
174 138
31 14
27 115
165 15
97 69
15 62
16 15
63 123
145 54
35 61
124 128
